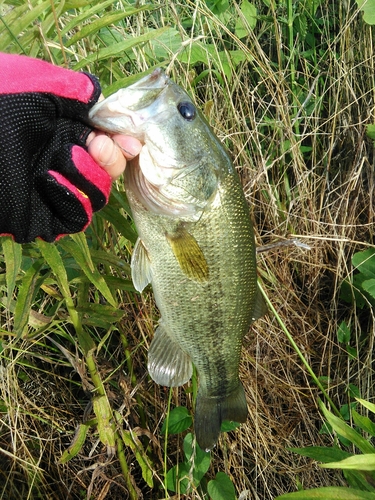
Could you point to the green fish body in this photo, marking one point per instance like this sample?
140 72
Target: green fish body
196 245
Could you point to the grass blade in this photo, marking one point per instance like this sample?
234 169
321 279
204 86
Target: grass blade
18 20
102 22
30 283
329 493
78 249
118 49
356 462
342 428
13 259
76 445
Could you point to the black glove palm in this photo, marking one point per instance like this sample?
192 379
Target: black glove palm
49 184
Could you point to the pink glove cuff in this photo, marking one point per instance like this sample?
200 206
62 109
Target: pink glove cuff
24 74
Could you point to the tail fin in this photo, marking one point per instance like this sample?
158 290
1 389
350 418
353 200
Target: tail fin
211 411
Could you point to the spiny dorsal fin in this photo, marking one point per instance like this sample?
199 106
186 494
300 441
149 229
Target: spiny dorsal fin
140 266
189 255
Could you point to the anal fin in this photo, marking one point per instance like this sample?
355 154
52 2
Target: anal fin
167 363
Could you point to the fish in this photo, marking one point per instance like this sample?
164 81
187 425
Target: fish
196 245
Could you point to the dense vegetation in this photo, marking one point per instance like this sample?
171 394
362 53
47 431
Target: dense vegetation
288 87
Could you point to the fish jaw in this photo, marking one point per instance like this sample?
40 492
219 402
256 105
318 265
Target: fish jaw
128 109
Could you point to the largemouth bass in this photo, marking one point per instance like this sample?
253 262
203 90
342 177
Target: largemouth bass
196 245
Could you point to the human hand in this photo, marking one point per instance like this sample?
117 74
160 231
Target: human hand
51 180
111 153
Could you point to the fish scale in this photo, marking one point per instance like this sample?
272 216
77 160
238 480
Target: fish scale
196 247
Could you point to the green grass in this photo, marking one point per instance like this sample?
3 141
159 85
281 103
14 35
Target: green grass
289 88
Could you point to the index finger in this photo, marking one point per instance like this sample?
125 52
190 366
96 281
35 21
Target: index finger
129 146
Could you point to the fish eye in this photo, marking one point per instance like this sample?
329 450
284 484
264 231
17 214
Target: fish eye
187 110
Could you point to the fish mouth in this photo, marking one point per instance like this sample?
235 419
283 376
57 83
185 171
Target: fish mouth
150 86
127 109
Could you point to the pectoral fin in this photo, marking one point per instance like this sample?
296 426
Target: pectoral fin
167 363
140 266
189 255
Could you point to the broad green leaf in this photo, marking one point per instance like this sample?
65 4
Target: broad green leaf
359 480
115 283
347 409
13 258
218 6
343 333
118 49
81 241
344 430
76 445
357 462
178 421
368 8
30 284
354 391
165 45
196 53
322 453
179 478
221 488
247 20
77 4
369 286
191 471
228 425
329 493
365 262
370 131
202 459
300 25
208 54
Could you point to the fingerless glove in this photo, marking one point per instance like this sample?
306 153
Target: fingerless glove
49 184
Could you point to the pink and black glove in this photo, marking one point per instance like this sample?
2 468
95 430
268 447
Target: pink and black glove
49 184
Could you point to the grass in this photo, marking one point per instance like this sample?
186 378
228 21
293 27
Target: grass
290 93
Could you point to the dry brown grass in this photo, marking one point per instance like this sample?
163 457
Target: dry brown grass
325 198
